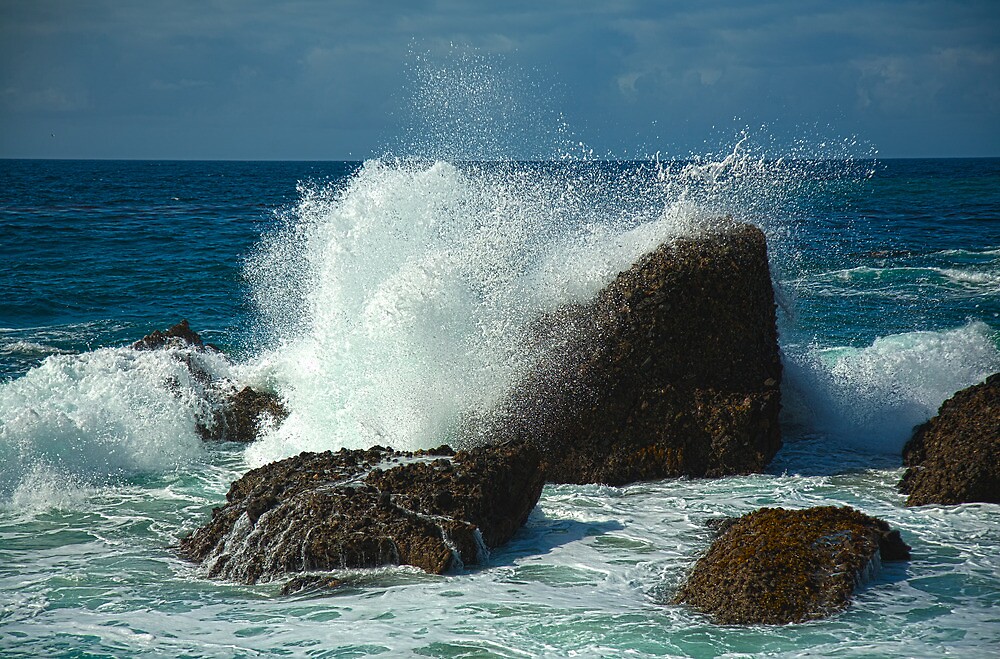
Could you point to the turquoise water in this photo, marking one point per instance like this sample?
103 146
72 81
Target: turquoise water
382 300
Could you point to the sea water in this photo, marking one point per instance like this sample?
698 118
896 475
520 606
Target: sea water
383 301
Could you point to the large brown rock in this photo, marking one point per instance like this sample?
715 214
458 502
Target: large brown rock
955 457
322 511
672 370
776 566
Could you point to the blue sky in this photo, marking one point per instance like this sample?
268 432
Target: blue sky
348 79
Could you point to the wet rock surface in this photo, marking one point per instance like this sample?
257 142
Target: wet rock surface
776 566
352 509
179 336
234 417
955 457
672 370
244 416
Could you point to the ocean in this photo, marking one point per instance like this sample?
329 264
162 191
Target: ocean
383 300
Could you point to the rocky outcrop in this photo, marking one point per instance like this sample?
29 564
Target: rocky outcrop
179 336
672 370
244 416
321 511
227 416
955 457
776 566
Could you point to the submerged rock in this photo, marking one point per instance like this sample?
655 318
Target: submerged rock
321 511
776 566
955 457
672 370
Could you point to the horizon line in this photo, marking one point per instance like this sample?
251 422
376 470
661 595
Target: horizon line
477 160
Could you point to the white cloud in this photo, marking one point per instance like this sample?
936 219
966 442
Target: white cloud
626 83
48 99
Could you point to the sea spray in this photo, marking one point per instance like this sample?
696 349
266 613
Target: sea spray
93 418
422 281
399 301
872 397
471 106
589 572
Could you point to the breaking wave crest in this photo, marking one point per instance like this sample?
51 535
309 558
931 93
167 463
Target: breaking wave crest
94 418
872 397
399 301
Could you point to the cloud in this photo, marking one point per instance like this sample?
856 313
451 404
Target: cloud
939 80
296 70
177 85
48 99
626 83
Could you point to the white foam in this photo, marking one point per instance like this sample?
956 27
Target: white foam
43 488
31 348
984 282
100 415
422 279
872 397
397 302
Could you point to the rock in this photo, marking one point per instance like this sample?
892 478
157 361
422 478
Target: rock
955 457
776 566
672 370
187 347
239 417
179 336
322 511
323 583
244 416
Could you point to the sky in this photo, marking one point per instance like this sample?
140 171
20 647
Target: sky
354 79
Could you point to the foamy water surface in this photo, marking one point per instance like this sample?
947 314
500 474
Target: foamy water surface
388 300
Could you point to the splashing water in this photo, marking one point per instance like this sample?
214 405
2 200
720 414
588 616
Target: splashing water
399 301
392 300
873 397
88 419
423 279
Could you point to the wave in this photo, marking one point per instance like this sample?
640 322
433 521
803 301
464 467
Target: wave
30 349
412 291
990 251
902 282
97 417
985 282
390 306
398 302
872 397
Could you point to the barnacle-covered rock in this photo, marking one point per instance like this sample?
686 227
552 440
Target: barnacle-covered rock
672 370
955 457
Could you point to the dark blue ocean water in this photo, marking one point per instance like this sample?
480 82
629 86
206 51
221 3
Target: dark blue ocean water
96 253
375 299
